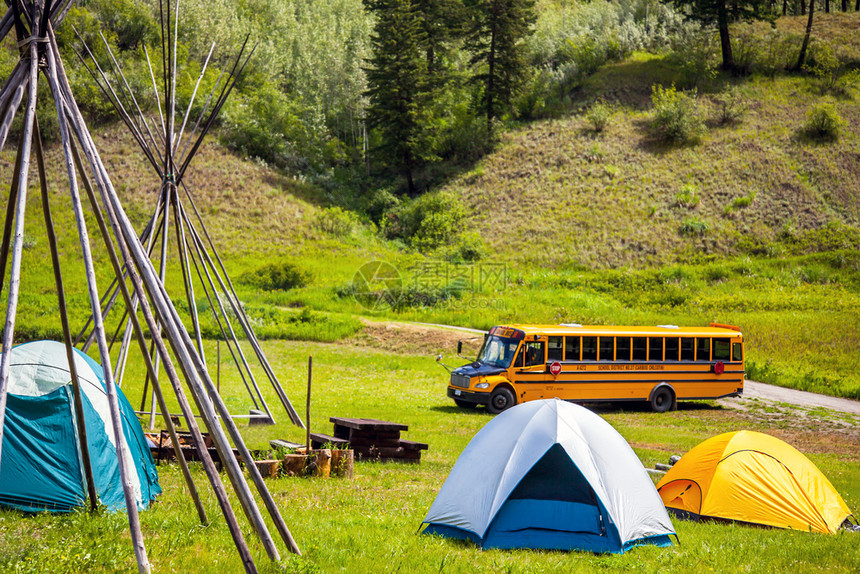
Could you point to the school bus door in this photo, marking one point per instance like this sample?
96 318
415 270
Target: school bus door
530 371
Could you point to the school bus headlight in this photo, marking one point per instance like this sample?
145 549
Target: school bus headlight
482 386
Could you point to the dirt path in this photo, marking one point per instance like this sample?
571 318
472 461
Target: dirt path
775 394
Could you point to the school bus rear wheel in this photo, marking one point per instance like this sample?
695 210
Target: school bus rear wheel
662 399
501 399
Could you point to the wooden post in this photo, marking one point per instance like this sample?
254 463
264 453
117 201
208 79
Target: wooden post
308 406
218 359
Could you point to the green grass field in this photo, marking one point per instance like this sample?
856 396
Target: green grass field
370 524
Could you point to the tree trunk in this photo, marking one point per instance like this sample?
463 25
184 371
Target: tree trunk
784 7
725 40
845 5
827 6
802 58
407 172
802 8
491 85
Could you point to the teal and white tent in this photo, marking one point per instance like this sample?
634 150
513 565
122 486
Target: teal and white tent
41 468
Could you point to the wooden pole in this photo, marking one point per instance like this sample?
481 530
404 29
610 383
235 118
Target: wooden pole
15 270
177 448
64 320
308 406
218 359
11 204
89 270
163 306
211 472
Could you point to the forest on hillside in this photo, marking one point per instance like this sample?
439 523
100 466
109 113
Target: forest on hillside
376 102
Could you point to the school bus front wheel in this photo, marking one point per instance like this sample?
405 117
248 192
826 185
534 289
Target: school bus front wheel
502 398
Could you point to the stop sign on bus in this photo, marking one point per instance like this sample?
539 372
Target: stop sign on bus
555 368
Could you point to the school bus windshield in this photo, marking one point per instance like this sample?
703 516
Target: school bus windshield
498 351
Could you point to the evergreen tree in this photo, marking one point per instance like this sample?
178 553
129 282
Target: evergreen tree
720 13
443 23
495 39
398 85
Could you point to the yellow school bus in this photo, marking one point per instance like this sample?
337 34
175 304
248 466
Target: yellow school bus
584 363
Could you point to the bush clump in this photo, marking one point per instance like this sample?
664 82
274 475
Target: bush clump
823 121
281 276
677 118
598 116
426 223
731 107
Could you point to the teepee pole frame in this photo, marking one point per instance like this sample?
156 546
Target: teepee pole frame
64 319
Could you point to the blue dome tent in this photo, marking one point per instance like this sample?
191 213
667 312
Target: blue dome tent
553 475
41 468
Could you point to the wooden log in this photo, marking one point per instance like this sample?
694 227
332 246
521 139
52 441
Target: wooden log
322 462
342 462
268 468
294 465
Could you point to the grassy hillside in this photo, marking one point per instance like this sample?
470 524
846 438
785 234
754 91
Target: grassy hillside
755 225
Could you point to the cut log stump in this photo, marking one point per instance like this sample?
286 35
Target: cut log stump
342 463
294 465
268 468
321 462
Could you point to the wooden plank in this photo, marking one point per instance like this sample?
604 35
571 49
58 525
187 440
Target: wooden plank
319 439
412 445
367 424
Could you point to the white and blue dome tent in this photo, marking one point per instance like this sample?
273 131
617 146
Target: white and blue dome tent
550 475
42 462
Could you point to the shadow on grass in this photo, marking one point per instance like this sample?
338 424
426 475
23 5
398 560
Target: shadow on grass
598 408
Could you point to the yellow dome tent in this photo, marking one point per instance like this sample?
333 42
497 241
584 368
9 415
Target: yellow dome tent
756 478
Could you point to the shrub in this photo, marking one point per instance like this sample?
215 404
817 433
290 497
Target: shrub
337 221
693 226
688 197
696 55
677 118
598 116
731 106
741 202
425 223
823 121
282 276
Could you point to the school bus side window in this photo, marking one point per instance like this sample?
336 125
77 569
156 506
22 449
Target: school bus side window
571 348
589 348
722 350
737 352
555 349
655 348
607 348
688 348
534 354
671 348
622 348
640 349
518 362
703 349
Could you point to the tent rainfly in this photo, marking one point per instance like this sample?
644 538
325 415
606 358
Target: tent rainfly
553 475
42 462
752 477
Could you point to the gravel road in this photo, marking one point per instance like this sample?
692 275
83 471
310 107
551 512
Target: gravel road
772 393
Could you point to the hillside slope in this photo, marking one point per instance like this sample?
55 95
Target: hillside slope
556 192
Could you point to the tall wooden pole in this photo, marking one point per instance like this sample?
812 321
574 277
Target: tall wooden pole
64 319
308 406
18 245
113 403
